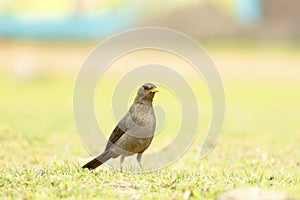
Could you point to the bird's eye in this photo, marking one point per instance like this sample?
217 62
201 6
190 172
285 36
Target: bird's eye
146 87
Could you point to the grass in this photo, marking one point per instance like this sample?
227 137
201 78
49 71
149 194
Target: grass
41 154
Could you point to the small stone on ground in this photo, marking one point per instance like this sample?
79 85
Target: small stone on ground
254 193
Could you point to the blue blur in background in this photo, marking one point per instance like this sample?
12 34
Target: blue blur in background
248 12
73 26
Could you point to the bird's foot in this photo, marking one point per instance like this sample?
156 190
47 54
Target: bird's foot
141 166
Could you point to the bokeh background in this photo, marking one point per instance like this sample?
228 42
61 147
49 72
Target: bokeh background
254 44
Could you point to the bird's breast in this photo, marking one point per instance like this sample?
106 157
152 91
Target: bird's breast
131 145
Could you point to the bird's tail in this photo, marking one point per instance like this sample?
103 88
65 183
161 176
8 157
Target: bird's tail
93 164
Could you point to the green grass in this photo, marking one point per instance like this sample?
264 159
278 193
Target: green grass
41 154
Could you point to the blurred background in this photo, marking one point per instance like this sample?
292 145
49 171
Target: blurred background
91 19
35 34
254 44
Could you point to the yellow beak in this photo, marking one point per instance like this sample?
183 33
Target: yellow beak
154 90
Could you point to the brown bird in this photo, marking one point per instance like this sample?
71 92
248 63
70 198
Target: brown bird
135 131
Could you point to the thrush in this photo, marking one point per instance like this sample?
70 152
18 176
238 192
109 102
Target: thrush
135 131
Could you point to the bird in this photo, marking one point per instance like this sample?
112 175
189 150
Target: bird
134 132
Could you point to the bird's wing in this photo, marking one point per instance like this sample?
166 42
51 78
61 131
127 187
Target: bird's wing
115 135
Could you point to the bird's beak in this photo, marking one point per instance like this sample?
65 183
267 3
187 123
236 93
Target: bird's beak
154 90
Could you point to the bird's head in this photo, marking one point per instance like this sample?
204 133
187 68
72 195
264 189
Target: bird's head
146 93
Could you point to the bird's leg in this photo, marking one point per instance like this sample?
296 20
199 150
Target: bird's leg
139 159
121 162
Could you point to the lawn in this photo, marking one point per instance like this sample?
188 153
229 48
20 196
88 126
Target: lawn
41 154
